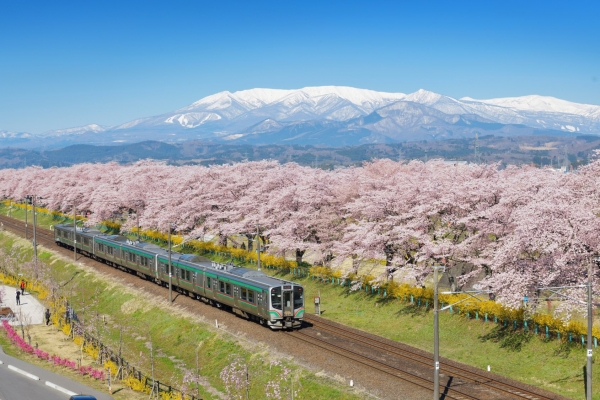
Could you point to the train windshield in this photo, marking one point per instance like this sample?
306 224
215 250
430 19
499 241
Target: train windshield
276 298
298 297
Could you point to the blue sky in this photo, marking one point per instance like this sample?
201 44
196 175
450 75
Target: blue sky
71 63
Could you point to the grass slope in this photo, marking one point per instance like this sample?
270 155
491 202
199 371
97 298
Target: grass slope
553 365
108 309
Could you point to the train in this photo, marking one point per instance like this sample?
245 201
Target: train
250 294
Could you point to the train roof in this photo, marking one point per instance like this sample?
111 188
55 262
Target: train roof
246 273
192 259
89 231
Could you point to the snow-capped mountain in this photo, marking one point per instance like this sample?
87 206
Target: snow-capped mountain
14 135
240 110
338 115
79 130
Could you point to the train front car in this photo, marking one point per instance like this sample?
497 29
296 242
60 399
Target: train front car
287 306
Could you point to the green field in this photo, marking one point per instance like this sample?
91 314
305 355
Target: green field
108 309
553 365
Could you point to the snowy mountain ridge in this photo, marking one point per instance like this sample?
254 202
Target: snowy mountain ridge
337 115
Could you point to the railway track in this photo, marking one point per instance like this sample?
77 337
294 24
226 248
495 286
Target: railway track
485 384
460 383
411 377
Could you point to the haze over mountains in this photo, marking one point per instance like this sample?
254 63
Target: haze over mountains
332 116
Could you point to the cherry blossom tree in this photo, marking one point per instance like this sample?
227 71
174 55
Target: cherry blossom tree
522 227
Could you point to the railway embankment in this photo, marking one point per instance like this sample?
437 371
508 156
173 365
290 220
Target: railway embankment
551 365
174 344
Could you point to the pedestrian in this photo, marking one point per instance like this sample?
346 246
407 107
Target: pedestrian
47 315
18 297
22 287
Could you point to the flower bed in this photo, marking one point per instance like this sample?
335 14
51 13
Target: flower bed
55 359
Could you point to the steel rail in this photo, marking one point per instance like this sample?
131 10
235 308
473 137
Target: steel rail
453 370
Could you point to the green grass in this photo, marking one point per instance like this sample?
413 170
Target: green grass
553 365
105 307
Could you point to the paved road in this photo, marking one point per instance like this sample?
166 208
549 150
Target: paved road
15 385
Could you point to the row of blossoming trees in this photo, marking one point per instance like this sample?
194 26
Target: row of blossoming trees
526 227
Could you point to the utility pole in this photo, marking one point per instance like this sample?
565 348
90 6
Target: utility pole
198 371
588 369
257 247
26 208
436 333
137 214
74 233
170 269
35 255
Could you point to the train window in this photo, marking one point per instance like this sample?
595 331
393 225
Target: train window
244 294
276 298
86 241
250 296
185 274
225 287
144 261
101 247
208 282
132 257
109 250
298 297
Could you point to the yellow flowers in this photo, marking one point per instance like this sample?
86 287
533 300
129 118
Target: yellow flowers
91 350
112 367
135 384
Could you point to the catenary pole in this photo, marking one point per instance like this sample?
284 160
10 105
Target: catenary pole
74 233
436 334
588 370
257 247
26 208
170 269
35 254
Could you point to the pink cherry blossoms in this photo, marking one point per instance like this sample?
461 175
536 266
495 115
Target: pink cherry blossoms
525 227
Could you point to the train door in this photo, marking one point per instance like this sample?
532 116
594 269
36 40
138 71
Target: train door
288 303
156 273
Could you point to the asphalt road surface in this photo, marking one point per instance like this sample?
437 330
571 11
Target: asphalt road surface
17 385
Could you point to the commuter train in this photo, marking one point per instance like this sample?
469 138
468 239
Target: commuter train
250 294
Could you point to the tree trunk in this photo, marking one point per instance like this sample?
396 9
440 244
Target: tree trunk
251 239
355 264
299 254
390 252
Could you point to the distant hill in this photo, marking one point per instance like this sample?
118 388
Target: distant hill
540 150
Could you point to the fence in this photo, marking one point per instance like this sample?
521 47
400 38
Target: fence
125 369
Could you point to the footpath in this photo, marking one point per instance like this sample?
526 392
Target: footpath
30 312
